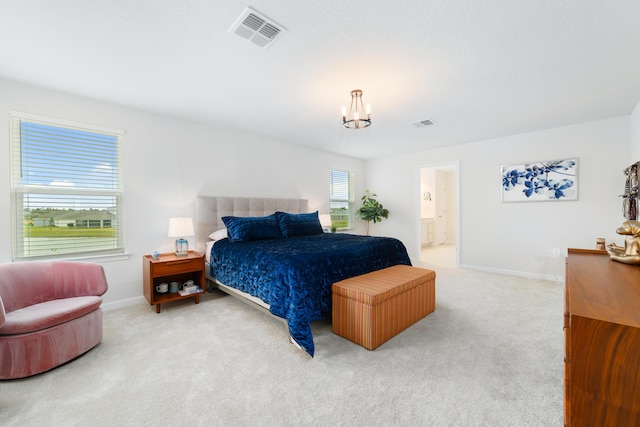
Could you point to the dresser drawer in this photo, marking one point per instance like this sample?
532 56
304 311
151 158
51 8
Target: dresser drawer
177 266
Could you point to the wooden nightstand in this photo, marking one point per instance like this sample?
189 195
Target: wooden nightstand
169 268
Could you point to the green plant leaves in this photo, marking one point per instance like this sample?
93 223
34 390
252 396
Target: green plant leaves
371 209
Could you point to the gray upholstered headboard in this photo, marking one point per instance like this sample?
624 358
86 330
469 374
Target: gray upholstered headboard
210 210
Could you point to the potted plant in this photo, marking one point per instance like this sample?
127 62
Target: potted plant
371 209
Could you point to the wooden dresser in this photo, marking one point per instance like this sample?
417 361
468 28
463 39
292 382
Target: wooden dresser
602 341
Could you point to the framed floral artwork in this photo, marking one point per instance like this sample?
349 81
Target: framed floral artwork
541 181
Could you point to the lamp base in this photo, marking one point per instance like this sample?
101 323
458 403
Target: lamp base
182 247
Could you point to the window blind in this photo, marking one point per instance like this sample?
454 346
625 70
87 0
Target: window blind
340 199
66 182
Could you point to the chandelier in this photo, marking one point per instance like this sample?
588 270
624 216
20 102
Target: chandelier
358 117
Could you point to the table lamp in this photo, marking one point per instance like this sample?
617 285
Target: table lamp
181 228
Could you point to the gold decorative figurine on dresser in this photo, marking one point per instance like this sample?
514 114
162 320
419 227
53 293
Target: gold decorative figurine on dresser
602 341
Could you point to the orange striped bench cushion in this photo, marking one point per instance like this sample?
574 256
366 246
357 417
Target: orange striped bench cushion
374 307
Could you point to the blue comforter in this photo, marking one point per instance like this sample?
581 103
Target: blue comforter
294 274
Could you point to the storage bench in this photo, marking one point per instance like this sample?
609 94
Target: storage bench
374 307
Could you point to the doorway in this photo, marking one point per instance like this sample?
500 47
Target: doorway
438 227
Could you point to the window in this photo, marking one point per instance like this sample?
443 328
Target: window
341 199
66 186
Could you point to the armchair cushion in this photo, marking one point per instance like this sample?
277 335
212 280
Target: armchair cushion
47 314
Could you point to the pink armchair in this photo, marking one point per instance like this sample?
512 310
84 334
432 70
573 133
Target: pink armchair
49 314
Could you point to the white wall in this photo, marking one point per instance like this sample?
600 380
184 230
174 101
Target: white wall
635 135
452 198
514 237
167 162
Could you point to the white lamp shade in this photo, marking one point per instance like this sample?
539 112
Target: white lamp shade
180 227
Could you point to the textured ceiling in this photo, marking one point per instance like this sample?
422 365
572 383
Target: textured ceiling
479 69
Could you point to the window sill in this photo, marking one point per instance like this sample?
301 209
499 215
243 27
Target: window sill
93 258
103 258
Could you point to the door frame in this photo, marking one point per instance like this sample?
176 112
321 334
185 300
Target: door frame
453 165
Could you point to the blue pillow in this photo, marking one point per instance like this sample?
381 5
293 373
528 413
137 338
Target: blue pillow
245 229
306 224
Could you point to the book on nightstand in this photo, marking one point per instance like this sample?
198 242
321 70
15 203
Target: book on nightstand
189 290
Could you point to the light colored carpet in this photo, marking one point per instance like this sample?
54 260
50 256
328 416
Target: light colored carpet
490 355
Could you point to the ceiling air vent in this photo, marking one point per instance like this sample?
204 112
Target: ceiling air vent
257 28
423 123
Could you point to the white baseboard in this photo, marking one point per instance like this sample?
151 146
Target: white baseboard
526 275
123 303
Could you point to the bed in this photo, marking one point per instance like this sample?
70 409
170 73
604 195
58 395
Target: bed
287 270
